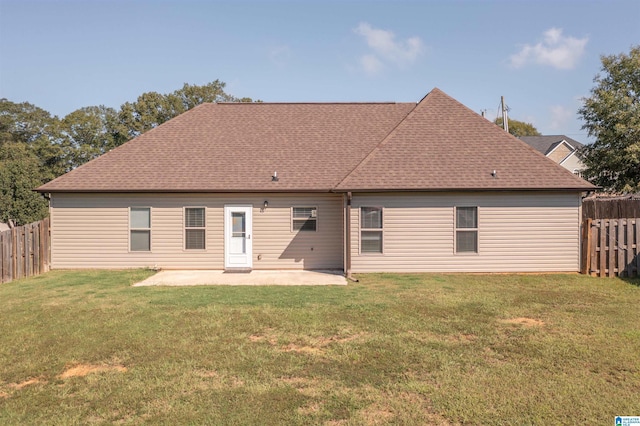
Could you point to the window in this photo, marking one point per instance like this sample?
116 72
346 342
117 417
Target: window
370 230
140 229
194 228
304 219
466 229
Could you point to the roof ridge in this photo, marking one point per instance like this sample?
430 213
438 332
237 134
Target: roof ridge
385 139
315 103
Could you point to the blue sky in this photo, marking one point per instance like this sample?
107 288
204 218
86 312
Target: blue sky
541 56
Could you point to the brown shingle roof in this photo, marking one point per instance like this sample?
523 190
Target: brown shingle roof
435 145
443 145
546 144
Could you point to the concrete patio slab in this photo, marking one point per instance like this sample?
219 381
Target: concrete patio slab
192 278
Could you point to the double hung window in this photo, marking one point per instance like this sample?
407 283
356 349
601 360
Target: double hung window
195 230
466 229
140 229
371 230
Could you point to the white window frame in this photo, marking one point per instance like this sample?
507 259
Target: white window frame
380 230
184 228
314 218
456 230
140 229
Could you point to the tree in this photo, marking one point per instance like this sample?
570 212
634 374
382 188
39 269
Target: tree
152 109
36 147
612 115
519 128
34 127
20 173
90 132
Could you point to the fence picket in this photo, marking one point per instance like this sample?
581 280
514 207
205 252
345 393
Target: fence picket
613 247
24 251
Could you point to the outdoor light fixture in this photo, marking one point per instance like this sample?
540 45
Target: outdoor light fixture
266 204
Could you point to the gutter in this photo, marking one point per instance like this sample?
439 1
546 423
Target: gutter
347 238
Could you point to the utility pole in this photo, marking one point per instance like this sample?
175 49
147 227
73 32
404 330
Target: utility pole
505 119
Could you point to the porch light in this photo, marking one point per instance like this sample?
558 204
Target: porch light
266 204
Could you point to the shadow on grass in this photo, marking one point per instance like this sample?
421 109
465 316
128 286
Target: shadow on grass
633 281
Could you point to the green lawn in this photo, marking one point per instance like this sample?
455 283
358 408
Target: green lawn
84 347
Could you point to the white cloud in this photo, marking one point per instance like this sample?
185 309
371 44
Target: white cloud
370 64
385 49
560 116
554 50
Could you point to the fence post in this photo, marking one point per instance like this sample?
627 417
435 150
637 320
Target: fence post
603 248
637 247
594 239
586 247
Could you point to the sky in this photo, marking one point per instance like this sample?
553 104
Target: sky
542 56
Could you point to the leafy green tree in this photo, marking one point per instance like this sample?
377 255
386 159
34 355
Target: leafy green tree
90 132
519 128
39 131
20 173
36 147
23 122
152 109
612 115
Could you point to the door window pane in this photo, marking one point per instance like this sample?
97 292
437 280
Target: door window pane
237 224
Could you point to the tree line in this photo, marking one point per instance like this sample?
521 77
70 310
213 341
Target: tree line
36 147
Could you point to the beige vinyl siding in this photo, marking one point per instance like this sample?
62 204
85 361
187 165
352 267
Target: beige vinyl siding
92 231
526 232
573 163
559 153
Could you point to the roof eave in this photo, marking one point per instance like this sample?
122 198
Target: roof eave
559 189
177 191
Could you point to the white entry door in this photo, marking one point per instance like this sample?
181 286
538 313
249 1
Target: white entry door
237 237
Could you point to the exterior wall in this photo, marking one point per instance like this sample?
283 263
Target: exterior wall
559 153
573 163
517 232
92 231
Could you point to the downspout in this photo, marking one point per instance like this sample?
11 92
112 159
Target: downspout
347 239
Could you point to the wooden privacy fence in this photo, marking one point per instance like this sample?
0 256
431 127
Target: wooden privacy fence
611 207
24 251
611 247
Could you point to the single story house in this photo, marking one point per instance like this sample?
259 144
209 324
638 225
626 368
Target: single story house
358 187
560 148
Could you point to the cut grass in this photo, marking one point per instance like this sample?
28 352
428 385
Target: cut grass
84 347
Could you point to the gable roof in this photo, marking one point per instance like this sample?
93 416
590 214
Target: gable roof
546 144
236 147
443 145
438 144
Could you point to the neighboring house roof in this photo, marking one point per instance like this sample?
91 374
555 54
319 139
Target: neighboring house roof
546 144
437 144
